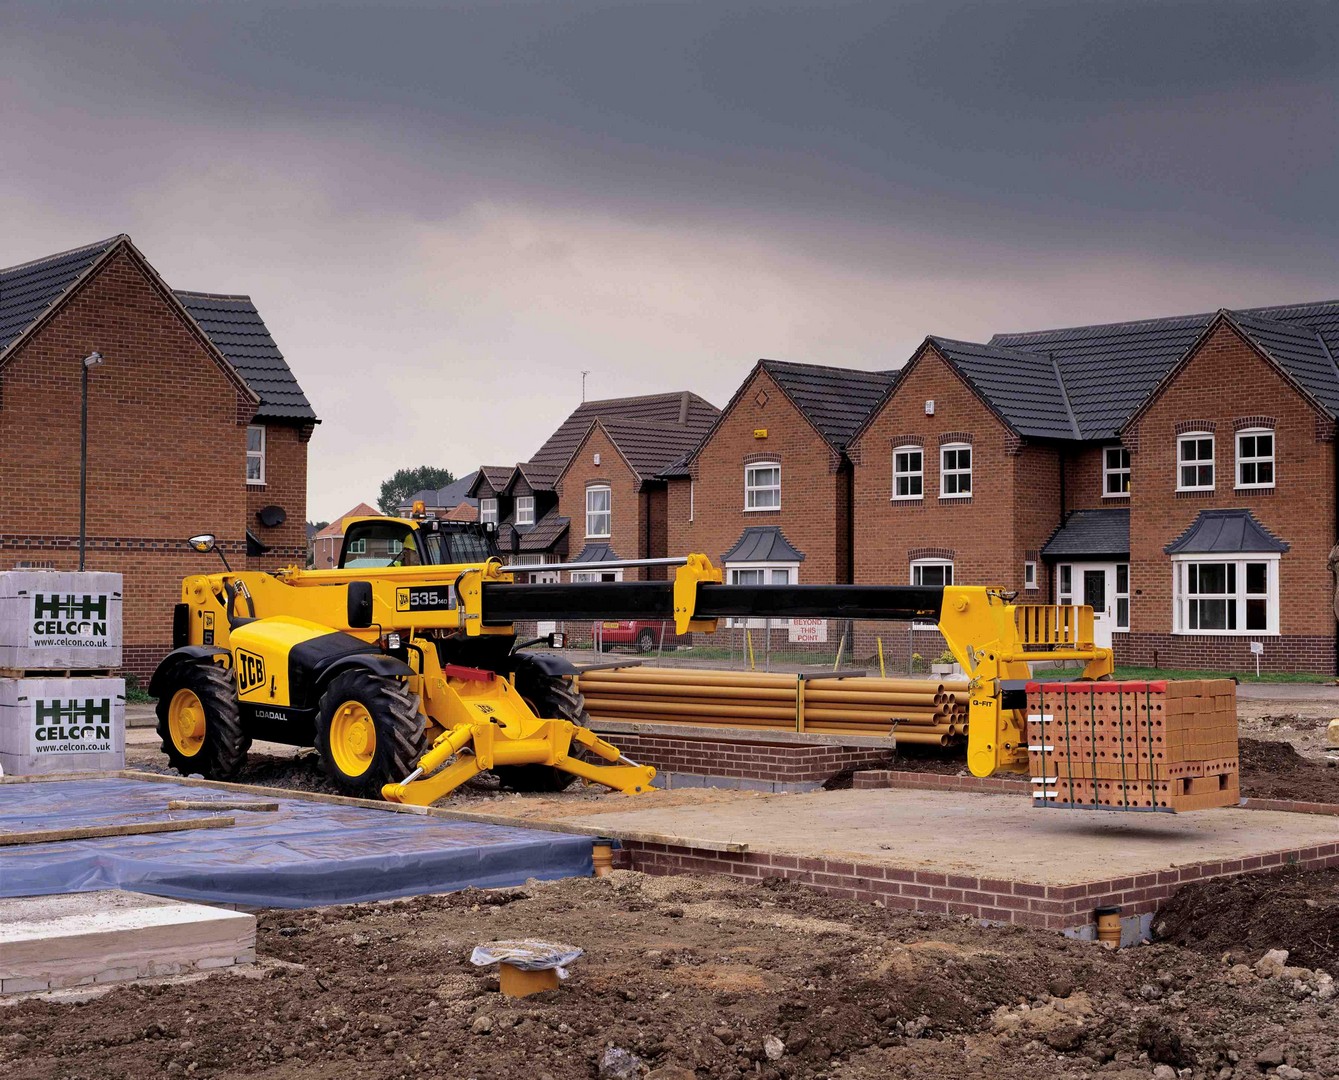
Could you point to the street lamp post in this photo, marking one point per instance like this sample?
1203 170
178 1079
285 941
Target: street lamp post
93 359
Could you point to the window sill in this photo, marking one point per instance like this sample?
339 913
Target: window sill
907 499
1254 487
256 484
598 536
762 509
1195 491
1116 495
956 498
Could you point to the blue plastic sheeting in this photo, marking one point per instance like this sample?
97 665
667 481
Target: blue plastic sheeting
306 855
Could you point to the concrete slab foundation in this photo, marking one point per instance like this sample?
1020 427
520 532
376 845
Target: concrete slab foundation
55 942
991 857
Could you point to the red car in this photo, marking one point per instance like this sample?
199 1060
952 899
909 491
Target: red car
643 635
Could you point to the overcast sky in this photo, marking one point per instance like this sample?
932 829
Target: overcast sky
447 211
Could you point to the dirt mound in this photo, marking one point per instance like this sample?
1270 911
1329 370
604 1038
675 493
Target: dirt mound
1274 770
1246 916
699 977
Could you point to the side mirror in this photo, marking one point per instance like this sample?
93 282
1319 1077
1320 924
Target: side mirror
204 543
558 640
360 605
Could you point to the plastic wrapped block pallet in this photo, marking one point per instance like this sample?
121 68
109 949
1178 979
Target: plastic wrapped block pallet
1134 745
62 725
58 619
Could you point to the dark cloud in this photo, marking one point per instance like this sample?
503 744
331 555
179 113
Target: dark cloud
436 203
1200 123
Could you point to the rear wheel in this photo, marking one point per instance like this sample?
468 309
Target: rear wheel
549 698
200 724
369 732
646 640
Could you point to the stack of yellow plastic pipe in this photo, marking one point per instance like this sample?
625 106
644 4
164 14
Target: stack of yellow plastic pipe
918 711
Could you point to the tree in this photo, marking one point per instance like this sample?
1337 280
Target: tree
405 482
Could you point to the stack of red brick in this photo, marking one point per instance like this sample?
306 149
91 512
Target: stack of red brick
1134 745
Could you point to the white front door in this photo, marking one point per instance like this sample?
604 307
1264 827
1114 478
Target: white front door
1104 587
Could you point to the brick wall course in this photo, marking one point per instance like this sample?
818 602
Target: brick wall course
627 507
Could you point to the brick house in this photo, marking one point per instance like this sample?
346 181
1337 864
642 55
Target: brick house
767 493
594 491
1177 474
195 424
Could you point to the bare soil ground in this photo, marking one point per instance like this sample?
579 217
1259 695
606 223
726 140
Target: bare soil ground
698 978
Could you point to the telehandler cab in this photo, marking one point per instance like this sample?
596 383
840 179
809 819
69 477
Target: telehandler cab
403 669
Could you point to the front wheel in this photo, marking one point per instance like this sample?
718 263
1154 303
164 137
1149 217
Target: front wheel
200 724
646 640
369 732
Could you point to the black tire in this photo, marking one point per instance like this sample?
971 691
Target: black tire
219 751
397 732
646 640
550 698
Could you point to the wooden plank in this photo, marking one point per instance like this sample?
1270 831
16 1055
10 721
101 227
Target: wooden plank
223 804
93 832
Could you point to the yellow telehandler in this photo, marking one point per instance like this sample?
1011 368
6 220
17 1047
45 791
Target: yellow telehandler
402 666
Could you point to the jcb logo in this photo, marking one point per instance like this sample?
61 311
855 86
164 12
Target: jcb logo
250 671
401 599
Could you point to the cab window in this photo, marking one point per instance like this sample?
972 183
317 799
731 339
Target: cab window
381 543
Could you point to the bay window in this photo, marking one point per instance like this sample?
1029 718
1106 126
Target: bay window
1234 596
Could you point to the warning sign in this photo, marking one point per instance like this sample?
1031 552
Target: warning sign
809 631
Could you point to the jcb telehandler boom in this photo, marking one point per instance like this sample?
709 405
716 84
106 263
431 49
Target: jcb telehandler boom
403 668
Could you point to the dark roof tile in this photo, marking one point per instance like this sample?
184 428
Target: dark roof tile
1225 532
28 290
235 327
1091 533
680 412
763 543
1024 388
547 532
835 400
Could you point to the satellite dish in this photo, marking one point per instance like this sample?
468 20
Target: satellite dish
272 516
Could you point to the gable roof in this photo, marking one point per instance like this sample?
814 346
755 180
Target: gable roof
495 476
336 527
29 290
1024 389
547 532
1108 371
835 400
230 326
1091 533
235 327
1225 532
650 432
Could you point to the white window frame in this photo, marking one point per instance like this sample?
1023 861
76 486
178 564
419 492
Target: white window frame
394 547
255 455
1257 459
957 471
921 564
769 571
752 489
1120 625
525 505
692 496
1064 583
596 575
1122 468
1196 463
1030 574
1236 595
487 511
593 515
357 547
909 474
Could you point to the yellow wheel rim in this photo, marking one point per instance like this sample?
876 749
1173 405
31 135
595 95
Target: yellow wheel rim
353 738
186 722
